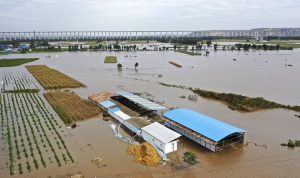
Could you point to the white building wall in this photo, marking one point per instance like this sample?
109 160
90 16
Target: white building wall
153 141
170 147
164 147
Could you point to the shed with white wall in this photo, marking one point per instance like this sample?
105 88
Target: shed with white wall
160 137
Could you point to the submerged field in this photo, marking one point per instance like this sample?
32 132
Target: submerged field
260 156
33 136
51 78
70 107
15 61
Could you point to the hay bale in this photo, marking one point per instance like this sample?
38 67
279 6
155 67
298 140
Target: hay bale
145 154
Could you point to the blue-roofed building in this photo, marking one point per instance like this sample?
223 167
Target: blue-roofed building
106 105
205 130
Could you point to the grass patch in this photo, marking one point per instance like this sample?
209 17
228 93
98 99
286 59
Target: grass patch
15 61
70 107
189 52
291 143
237 102
51 78
110 59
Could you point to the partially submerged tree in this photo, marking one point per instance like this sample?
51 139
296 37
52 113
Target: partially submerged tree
119 66
190 158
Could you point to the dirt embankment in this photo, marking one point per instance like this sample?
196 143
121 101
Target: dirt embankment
235 101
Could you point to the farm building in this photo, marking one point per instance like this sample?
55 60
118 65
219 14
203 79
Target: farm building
139 104
160 137
99 97
106 105
123 118
206 131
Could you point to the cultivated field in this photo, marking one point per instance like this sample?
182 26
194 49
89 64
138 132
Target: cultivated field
30 133
70 107
110 59
51 78
15 62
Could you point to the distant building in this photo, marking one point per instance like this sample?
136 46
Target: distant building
23 46
6 48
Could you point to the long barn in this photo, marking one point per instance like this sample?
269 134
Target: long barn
205 130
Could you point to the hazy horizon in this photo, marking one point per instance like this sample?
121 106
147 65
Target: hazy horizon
100 15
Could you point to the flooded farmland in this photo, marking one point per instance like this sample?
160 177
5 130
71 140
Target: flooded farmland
259 73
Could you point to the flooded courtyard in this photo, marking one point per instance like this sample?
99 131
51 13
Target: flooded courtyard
253 74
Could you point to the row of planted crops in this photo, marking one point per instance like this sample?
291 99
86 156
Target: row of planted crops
34 136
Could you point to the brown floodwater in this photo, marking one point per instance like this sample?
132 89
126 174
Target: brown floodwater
260 73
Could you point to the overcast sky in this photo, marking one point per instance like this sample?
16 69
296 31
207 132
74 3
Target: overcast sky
29 15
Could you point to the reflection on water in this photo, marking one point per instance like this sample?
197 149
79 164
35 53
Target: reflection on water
261 73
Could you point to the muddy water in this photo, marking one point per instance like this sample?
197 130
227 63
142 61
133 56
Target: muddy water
253 74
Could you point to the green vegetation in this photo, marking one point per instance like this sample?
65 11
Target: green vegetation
191 53
119 66
15 61
46 50
190 158
23 91
263 46
25 122
110 59
237 102
3 53
292 143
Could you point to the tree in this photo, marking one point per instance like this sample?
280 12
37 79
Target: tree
206 53
119 66
239 46
208 43
190 158
134 47
265 47
246 47
32 44
199 47
215 46
136 65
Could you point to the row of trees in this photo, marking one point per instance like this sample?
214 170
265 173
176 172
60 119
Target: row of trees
120 67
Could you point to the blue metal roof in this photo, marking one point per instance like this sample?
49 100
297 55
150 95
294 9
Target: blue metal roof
107 104
207 126
115 109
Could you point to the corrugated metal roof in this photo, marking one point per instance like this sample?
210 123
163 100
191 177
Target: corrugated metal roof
107 104
141 101
122 115
161 132
114 109
207 126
